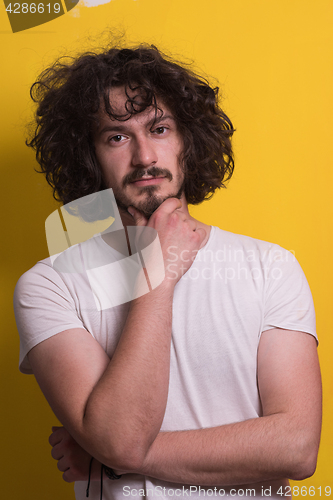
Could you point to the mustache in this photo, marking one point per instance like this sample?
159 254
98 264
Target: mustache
152 171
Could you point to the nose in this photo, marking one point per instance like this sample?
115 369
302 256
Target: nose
144 152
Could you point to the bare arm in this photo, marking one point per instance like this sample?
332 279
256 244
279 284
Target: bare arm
114 409
281 444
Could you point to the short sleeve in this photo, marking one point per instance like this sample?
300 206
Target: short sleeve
43 307
288 299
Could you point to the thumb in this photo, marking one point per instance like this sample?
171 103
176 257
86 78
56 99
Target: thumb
139 219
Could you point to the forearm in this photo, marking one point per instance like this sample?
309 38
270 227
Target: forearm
255 450
273 447
124 412
282 444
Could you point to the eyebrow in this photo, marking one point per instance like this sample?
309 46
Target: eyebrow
122 128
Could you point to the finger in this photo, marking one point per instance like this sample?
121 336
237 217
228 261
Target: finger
139 218
55 438
191 223
58 434
169 205
68 476
202 234
57 452
56 427
63 464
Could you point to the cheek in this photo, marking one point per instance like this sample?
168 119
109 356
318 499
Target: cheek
108 166
111 179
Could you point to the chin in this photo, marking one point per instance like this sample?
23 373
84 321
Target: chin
151 200
148 206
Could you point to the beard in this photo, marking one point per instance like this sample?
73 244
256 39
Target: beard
151 200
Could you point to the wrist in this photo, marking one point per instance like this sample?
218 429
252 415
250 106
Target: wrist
95 470
145 468
111 473
163 293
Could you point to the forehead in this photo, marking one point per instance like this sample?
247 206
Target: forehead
118 98
123 101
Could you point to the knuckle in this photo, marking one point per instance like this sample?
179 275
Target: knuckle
174 218
197 237
67 477
68 441
156 218
158 214
168 205
169 201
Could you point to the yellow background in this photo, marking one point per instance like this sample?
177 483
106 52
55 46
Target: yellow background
273 61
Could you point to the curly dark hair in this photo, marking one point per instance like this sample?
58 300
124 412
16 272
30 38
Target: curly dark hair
70 93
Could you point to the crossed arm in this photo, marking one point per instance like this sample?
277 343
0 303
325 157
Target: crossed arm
281 444
114 408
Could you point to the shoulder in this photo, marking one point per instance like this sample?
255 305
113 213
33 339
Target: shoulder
55 272
238 247
42 292
274 273
236 240
44 306
41 274
266 265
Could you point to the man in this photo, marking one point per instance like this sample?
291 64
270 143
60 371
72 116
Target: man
209 383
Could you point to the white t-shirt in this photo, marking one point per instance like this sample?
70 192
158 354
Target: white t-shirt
236 288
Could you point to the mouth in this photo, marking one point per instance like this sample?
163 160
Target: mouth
148 181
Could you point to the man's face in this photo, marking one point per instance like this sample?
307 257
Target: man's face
139 158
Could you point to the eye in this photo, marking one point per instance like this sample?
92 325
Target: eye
117 138
160 130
